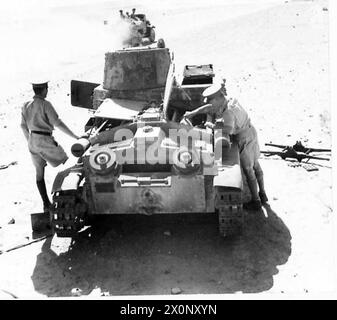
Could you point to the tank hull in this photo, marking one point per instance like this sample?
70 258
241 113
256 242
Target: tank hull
139 157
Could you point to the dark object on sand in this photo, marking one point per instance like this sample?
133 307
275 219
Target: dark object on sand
5 166
298 146
297 151
40 221
289 152
310 167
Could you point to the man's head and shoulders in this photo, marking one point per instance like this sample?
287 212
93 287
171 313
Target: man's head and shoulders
39 112
40 88
216 95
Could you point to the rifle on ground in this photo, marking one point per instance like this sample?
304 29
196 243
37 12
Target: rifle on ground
289 152
298 146
297 151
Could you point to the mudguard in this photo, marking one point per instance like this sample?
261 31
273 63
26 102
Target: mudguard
229 171
68 179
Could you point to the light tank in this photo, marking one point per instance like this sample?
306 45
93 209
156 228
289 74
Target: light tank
140 30
139 156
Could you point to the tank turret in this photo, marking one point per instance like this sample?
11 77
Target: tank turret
140 31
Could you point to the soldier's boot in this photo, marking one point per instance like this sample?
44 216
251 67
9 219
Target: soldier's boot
252 205
255 203
41 185
263 197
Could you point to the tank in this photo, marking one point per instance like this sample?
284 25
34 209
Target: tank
139 156
140 31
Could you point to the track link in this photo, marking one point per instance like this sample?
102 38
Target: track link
68 213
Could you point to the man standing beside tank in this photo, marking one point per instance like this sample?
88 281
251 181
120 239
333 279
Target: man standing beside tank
38 119
236 122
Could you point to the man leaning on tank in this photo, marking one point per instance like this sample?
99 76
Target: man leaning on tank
38 120
236 122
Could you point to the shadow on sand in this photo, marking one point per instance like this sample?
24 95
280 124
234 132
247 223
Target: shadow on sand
148 255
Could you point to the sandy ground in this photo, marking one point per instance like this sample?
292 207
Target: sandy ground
275 57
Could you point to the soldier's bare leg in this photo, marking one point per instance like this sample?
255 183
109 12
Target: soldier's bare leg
260 181
255 202
252 183
41 186
247 165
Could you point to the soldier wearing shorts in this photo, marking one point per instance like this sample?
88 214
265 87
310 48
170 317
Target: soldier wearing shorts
38 120
236 122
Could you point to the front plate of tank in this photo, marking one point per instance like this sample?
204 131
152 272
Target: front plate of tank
178 194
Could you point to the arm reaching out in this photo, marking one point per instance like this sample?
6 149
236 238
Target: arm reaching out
54 119
61 125
209 122
203 109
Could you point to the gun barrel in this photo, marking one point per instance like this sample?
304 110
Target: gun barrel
275 145
318 158
271 153
79 147
318 150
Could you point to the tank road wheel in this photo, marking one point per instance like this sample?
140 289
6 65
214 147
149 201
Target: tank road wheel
228 205
68 213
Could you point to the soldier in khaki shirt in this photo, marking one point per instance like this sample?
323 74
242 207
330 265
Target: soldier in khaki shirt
236 122
38 119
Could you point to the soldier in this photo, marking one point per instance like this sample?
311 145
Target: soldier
121 14
38 119
133 14
236 122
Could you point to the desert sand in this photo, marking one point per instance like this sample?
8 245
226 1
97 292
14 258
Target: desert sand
275 57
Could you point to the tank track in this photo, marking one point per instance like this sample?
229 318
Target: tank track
228 205
68 214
